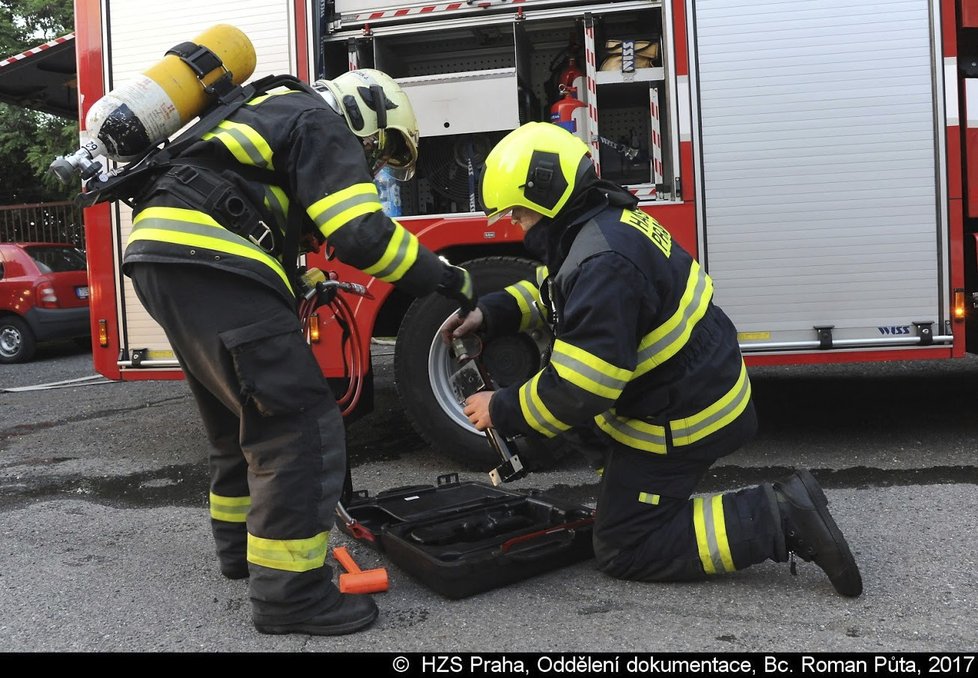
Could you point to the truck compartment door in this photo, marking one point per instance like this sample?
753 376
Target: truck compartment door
821 203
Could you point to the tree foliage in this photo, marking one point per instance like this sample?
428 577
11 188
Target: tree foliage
29 140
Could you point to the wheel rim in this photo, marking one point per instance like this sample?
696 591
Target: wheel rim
10 340
520 355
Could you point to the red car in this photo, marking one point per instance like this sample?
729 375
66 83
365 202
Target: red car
43 297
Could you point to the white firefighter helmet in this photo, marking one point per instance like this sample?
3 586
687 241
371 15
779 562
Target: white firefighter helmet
378 111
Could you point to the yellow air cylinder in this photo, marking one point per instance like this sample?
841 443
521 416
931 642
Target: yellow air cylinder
144 111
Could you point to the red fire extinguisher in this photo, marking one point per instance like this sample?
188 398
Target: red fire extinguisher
571 76
569 112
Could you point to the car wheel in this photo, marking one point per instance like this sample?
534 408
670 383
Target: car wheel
423 365
17 344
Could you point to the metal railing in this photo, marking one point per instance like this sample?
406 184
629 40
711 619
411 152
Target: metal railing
42 222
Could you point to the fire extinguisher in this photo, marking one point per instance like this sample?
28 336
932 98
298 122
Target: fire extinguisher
571 76
569 112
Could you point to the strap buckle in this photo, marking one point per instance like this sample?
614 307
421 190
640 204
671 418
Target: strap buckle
262 233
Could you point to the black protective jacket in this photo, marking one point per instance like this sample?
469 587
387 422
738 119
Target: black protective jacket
640 351
284 151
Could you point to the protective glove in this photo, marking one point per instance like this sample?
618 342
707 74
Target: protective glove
456 283
456 327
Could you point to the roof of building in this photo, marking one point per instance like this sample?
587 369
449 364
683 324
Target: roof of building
43 78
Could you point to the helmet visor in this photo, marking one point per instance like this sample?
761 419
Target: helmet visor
400 160
496 216
387 148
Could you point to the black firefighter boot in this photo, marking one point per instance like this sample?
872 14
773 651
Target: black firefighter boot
350 613
811 533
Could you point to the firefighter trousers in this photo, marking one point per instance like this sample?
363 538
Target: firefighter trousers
648 528
278 455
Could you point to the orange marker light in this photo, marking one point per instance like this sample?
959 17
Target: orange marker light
959 311
314 328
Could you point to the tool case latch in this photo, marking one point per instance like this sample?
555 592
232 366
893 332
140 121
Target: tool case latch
447 479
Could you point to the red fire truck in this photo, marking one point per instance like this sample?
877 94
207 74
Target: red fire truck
815 155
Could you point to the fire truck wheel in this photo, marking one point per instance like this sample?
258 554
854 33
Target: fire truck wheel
423 365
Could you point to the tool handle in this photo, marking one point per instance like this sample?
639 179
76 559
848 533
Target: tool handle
498 443
346 560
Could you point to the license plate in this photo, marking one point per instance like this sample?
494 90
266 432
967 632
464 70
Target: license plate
82 292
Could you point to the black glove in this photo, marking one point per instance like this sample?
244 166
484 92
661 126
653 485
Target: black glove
456 283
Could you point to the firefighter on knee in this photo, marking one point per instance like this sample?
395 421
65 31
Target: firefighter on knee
645 375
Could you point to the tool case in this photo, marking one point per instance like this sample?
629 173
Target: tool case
463 538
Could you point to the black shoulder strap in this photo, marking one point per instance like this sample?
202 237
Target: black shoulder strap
122 184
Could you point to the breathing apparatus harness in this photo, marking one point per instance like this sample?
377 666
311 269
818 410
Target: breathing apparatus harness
162 169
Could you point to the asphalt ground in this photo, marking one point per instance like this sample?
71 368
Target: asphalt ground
106 543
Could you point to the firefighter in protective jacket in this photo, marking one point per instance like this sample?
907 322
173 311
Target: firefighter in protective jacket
644 367
209 256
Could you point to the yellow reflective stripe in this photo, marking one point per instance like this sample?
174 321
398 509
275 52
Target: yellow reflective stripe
400 255
337 209
191 228
720 535
523 294
702 545
666 340
711 419
527 297
711 535
647 498
542 273
229 509
245 144
633 432
293 555
277 203
588 371
536 413
278 92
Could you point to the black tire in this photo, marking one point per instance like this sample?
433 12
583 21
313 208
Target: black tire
17 343
423 364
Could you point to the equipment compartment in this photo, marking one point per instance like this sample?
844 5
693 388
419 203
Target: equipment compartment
460 539
473 79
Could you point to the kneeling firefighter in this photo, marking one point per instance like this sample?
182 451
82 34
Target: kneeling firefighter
217 228
644 368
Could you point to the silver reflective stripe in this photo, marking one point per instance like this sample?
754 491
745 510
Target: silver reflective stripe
218 232
245 143
649 438
535 412
710 419
565 361
711 537
404 247
711 532
336 210
277 207
669 344
525 296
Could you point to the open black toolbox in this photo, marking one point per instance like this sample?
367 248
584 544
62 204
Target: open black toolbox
463 538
